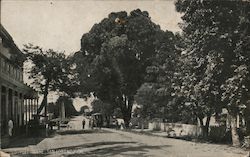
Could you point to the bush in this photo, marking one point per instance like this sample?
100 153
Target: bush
217 134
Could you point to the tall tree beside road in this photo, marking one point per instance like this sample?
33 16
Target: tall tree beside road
155 95
114 55
217 50
50 71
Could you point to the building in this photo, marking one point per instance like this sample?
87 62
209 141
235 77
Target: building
18 101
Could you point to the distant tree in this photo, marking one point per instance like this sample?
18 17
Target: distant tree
68 104
114 55
146 99
117 113
105 109
50 71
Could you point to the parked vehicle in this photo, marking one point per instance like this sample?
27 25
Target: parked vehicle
97 120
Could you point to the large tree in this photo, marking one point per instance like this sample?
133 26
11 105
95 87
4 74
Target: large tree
49 71
155 95
114 56
214 33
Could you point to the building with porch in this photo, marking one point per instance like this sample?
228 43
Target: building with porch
18 101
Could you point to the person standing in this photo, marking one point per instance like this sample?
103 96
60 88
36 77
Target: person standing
117 124
91 123
10 127
99 123
83 123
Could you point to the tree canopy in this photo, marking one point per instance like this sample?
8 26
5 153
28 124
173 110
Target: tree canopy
114 56
216 54
50 71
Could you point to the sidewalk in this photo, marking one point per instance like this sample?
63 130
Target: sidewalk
145 132
159 135
151 132
3 154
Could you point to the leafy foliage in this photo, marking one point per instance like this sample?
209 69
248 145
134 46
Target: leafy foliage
216 62
156 94
114 55
50 71
107 110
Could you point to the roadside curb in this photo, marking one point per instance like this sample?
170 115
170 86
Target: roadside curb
138 132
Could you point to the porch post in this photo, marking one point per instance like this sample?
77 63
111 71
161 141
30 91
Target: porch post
26 111
22 109
37 106
7 104
29 109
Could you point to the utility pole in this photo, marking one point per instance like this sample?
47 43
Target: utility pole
62 116
62 113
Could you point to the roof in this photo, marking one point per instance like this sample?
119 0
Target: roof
6 37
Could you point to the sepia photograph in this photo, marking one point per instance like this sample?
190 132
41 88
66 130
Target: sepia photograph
125 78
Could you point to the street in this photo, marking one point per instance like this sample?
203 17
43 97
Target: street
109 142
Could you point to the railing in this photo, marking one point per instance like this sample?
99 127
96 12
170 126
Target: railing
11 71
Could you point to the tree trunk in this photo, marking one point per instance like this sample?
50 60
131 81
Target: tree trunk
108 121
43 104
206 127
126 108
247 119
201 121
126 118
142 125
203 127
235 136
248 126
45 99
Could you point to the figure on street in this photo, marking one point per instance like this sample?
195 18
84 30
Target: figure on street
10 126
117 124
83 123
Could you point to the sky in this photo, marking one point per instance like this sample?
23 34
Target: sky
60 24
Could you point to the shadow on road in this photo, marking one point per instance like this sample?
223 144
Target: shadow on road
137 151
111 148
67 132
87 145
23 142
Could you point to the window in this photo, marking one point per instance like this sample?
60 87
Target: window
14 73
18 75
3 89
8 68
4 66
11 70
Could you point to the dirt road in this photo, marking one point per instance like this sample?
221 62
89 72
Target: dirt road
116 143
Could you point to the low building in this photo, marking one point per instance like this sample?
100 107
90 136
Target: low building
18 101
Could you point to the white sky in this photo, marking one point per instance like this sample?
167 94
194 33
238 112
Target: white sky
60 24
